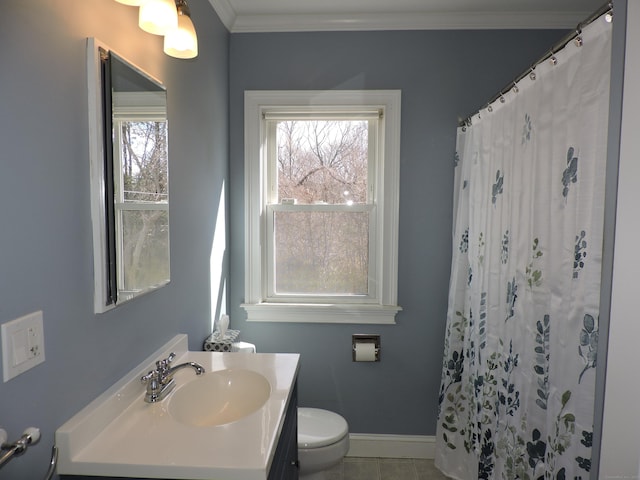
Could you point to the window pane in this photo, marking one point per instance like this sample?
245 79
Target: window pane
144 161
321 253
323 161
145 249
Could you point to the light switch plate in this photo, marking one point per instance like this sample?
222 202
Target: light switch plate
22 344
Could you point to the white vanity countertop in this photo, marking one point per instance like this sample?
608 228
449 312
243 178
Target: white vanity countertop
118 434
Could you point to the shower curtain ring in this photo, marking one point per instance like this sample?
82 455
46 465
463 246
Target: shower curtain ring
608 17
552 58
532 74
578 41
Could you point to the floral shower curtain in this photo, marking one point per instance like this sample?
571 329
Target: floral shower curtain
518 378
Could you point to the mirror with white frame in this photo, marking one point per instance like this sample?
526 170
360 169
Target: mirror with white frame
128 132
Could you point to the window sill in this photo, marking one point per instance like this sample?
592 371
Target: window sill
320 313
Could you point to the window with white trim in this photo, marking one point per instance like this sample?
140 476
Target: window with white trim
321 192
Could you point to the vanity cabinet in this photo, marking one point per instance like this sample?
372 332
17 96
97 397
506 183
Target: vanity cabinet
285 460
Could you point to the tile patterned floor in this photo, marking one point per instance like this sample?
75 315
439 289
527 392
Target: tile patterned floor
355 468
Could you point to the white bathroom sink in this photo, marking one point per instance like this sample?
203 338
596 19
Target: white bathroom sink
223 424
220 397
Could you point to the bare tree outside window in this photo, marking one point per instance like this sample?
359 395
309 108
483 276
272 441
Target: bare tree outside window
322 250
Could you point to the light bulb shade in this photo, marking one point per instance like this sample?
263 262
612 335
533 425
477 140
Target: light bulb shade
132 3
158 16
182 42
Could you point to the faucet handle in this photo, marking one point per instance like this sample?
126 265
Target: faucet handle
164 364
150 377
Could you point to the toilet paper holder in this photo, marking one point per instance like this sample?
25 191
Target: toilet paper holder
360 338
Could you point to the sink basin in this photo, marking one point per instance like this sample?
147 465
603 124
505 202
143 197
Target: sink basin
219 397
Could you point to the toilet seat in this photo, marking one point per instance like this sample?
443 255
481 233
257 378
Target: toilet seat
319 428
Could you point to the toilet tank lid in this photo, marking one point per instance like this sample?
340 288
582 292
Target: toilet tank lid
319 428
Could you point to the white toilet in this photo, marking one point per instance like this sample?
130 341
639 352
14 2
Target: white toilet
323 440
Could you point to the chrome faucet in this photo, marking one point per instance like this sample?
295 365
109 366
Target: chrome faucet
160 381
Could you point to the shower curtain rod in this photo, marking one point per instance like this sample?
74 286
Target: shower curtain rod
606 8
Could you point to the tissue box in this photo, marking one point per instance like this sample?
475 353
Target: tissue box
217 343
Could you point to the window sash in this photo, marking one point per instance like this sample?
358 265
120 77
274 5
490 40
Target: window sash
271 147
271 118
269 257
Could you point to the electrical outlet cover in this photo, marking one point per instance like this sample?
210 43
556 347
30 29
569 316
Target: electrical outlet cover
22 344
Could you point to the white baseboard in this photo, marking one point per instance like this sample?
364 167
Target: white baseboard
391 446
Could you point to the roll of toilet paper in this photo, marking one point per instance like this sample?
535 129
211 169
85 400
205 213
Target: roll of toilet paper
365 352
223 324
244 347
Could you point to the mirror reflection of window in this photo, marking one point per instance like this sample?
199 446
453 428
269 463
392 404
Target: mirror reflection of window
141 203
140 181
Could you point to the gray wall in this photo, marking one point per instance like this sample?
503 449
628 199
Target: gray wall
45 233
443 75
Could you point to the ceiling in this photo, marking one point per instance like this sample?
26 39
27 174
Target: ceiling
329 15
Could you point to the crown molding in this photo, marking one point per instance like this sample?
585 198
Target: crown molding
399 21
225 11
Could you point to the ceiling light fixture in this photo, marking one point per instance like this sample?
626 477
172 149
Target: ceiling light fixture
182 41
171 18
158 16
